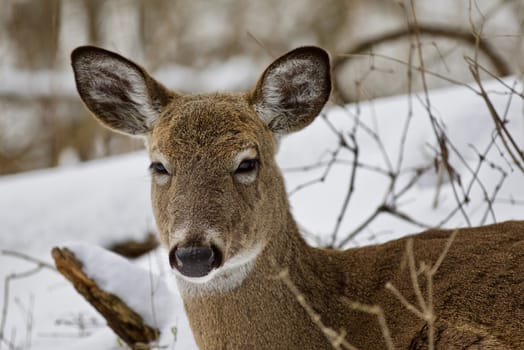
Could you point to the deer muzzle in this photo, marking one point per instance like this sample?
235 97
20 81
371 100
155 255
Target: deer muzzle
195 261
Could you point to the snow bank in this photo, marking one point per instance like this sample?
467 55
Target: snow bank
101 202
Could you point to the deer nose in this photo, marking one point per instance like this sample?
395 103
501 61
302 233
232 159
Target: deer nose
195 261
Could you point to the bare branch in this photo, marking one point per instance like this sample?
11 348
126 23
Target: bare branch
336 339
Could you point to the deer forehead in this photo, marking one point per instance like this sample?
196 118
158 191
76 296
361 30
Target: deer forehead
214 126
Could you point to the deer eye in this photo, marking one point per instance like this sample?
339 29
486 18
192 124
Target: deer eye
247 166
158 168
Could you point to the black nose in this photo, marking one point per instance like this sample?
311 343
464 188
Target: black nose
195 261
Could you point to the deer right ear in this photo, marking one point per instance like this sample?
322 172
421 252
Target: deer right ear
293 89
117 91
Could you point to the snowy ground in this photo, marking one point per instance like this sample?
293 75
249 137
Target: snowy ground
107 201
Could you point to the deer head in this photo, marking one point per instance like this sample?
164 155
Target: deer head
217 194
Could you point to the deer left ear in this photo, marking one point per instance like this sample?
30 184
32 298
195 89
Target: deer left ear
293 89
119 93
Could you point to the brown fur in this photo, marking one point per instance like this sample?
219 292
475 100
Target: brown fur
478 293
478 290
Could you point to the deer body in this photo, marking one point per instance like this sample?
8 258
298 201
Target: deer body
478 299
222 212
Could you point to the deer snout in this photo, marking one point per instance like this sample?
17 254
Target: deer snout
195 261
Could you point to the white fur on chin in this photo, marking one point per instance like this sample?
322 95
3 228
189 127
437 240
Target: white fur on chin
228 277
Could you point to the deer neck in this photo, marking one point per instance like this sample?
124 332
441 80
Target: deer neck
264 294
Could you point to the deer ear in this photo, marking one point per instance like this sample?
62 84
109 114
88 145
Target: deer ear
117 91
293 89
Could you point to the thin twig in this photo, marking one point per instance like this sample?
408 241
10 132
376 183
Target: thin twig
7 282
379 313
23 256
505 136
336 339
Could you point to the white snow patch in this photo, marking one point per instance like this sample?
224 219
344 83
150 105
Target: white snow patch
143 291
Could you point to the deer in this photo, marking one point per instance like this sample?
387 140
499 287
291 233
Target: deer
223 216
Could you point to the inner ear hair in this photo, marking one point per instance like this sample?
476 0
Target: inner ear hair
120 93
293 89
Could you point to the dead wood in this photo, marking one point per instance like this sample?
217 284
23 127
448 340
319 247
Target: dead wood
124 321
135 249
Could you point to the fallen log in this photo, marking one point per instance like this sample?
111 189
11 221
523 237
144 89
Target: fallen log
124 321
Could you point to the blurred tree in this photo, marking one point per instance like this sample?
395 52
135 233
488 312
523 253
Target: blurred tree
197 37
33 28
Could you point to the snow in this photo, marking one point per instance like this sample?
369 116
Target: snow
106 201
116 275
